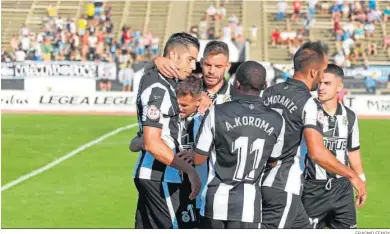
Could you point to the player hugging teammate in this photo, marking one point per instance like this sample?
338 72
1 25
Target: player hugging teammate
241 154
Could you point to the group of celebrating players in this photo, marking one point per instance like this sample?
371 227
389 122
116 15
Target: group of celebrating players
215 154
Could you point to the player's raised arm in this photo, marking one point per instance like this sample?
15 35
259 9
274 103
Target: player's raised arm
320 154
165 66
204 138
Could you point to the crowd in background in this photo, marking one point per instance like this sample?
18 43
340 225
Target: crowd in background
231 29
91 38
352 20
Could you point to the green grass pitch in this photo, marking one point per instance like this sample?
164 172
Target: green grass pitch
94 188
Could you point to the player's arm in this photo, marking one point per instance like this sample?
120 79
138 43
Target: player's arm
353 146
320 154
154 109
157 147
154 144
204 138
164 65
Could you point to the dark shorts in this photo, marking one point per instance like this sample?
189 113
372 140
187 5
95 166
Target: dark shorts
164 205
282 210
207 223
332 208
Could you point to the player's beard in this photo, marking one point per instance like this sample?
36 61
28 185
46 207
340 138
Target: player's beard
210 86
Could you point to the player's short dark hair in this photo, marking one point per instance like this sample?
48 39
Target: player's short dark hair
216 47
251 75
183 39
309 53
192 86
334 69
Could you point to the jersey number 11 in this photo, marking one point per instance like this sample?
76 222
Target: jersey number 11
241 146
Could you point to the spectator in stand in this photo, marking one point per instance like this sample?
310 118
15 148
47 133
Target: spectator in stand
359 32
386 14
335 10
307 23
359 52
296 5
24 31
361 16
372 48
253 34
25 43
92 42
239 32
140 48
5 56
108 12
14 43
282 6
339 59
324 8
20 55
371 18
276 40
148 41
339 35
203 28
125 77
346 10
336 25
59 23
154 47
347 46
386 44
98 7
221 13
300 36
292 36
349 27
227 33
312 8
233 21
126 36
51 11
210 13
82 26
377 15
372 4
194 31
370 29
370 84
90 10
47 50
211 34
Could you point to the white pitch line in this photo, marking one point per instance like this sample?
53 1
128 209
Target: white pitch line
65 157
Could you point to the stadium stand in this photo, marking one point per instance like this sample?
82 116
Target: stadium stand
159 19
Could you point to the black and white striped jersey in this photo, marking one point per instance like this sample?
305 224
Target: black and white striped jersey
341 135
157 107
239 137
294 102
223 95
